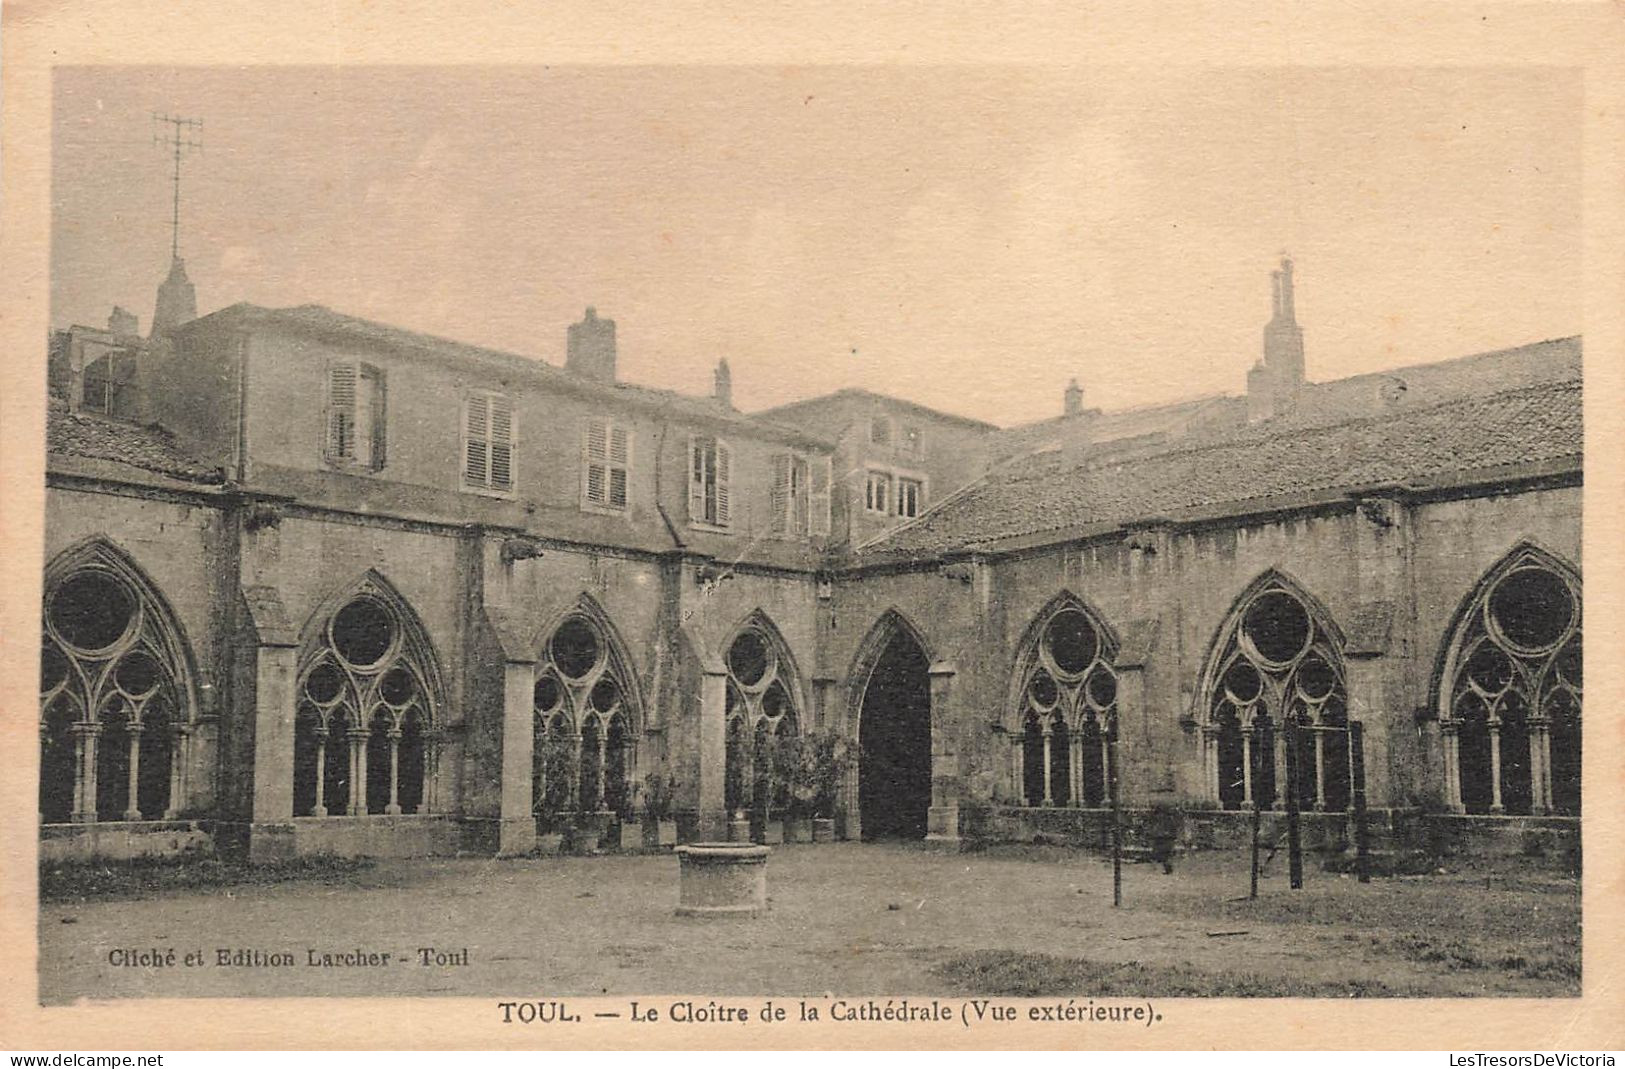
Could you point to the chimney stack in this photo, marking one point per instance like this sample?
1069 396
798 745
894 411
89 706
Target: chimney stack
123 323
177 300
590 348
1072 404
723 384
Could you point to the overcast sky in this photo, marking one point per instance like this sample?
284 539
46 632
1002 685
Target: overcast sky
966 238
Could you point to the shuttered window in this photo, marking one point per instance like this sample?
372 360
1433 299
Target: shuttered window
355 415
608 462
488 435
797 507
709 472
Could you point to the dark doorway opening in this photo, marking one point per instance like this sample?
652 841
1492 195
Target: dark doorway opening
894 738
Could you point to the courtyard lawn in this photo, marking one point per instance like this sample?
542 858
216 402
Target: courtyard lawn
848 918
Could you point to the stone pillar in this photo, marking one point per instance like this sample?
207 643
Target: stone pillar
358 771
1075 768
275 677
603 766
1247 765
1049 799
942 820
850 794
713 755
179 747
393 806
84 783
1540 766
1320 768
1210 764
132 785
1495 768
320 808
1450 733
516 822
1278 750
1018 767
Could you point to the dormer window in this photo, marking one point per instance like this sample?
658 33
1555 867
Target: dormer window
109 386
355 416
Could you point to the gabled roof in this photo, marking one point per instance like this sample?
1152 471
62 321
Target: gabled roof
320 320
99 438
1462 438
795 410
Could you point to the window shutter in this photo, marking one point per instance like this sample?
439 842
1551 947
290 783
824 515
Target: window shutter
696 480
501 443
379 423
799 496
341 411
724 463
822 476
782 463
476 439
620 460
597 454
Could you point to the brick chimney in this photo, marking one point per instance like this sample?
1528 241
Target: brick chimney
1072 403
723 384
1272 382
590 348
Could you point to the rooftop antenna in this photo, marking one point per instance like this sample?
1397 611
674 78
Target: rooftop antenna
181 136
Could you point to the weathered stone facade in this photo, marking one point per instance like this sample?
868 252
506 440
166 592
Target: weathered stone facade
405 596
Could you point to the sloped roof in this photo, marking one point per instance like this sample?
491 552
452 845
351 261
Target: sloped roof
1041 493
319 319
815 407
149 448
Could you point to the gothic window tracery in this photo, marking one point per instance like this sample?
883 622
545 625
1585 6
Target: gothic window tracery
760 710
585 723
1277 659
1068 708
1510 692
115 695
367 694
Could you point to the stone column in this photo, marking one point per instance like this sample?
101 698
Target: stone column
1075 769
1246 766
320 808
1210 763
942 820
1320 768
713 755
132 785
393 806
1495 767
84 783
516 822
1049 799
603 766
850 794
1450 733
1278 749
179 745
274 661
575 772
1018 767
1540 766
358 771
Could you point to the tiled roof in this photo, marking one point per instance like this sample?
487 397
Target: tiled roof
1041 493
98 438
320 319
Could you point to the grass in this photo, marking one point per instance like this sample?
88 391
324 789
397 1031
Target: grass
1030 975
81 881
1560 965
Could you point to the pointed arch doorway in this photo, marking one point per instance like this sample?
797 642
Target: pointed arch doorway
894 741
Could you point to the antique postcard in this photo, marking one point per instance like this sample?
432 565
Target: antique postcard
686 527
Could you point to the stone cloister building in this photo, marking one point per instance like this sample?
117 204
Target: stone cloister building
314 583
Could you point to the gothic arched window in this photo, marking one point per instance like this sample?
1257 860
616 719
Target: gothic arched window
1510 691
761 710
585 722
1067 707
115 694
1277 657
368 691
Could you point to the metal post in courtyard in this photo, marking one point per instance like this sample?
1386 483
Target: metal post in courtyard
1293 841
1253 892
1362 854
1117 812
